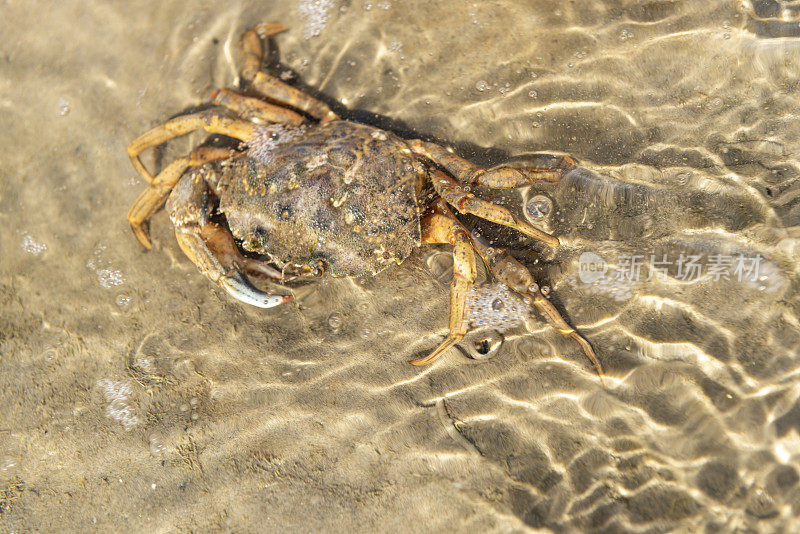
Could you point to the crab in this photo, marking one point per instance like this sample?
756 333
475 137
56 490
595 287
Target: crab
306 191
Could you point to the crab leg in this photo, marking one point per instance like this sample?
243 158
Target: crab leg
499 177
465 202
508 270
152 198
210 246
211 120
268 85
254 109
442 227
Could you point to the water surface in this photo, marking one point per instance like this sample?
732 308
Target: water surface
137 396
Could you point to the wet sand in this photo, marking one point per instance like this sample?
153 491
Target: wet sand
137 396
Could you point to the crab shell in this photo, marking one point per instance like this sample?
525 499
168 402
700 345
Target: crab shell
342 192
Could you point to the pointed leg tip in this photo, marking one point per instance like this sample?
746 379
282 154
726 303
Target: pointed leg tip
446 344
270 28
330 116
142 236
420 362
532 231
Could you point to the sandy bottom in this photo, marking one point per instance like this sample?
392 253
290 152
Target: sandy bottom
137 396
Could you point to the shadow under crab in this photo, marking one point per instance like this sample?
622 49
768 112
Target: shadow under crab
310 191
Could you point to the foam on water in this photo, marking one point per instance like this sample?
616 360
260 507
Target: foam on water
315 15
31 245
107 275
117 394
495 306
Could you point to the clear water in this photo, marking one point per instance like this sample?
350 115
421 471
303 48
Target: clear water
136 395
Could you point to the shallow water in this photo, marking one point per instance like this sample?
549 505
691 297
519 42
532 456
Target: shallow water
136 395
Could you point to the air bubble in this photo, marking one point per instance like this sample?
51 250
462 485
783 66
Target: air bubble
533 94
484 345
315 14
441 266
335 320
117 394
107 275
7 464
539 207
110 278
31 246
498 304
156 445
482 85
545 290
63 106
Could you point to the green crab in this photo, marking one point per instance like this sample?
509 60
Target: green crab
307 192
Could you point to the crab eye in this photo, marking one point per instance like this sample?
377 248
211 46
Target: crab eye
255 240
317 268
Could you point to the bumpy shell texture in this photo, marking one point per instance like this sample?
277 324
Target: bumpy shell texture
341 192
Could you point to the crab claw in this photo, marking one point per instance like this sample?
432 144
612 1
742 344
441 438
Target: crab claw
240 288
